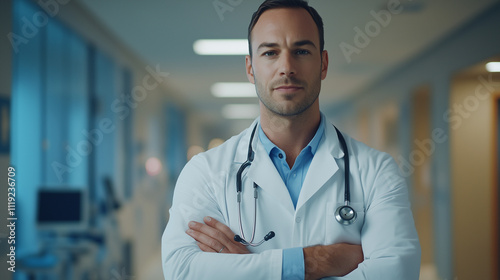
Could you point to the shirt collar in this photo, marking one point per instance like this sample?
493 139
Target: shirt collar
313 144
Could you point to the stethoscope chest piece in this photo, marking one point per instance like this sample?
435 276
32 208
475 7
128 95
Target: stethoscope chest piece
345 215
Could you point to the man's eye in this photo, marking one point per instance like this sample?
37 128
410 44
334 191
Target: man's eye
269 53
303 52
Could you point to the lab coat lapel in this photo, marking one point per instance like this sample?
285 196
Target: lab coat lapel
323 165
264 173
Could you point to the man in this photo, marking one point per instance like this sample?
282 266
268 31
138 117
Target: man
296 161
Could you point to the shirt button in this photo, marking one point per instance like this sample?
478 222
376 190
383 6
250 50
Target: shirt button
294 174
298 219
280 155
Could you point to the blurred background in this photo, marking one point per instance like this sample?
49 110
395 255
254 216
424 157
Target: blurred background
103 102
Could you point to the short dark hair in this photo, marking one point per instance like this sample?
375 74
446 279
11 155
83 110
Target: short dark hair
274 4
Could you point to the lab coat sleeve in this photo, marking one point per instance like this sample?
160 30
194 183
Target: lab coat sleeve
389 239
198 194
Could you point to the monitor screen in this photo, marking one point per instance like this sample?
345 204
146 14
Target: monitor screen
61 208
57 206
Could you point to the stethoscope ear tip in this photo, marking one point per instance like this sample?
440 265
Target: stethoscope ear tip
269 235
237 238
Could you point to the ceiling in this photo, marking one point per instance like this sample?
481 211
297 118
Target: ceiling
162 32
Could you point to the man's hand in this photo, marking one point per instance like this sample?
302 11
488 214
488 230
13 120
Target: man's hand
215 237
331 260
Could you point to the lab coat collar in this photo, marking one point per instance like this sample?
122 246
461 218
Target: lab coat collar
264 173
323 165
266 176
332 141
242 146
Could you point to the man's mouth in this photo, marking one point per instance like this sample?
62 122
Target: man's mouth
288 88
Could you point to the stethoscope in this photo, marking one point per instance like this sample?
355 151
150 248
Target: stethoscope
344 214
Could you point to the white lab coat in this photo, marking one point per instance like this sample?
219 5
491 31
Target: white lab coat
207 187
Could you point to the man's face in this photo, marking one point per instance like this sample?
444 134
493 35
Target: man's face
287 65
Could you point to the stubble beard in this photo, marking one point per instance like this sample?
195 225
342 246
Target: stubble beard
285 110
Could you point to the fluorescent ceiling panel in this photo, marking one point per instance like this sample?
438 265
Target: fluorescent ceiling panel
493 66
221 47
233 90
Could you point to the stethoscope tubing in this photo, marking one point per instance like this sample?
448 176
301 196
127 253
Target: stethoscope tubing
345 214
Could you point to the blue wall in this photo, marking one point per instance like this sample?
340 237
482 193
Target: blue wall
26 124
51 113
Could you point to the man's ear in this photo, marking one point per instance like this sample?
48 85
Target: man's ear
249 69
324 64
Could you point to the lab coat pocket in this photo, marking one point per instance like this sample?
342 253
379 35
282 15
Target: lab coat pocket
339 233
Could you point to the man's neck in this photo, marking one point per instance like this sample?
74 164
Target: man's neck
291 134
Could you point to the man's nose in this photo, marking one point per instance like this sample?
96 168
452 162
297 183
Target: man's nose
287 65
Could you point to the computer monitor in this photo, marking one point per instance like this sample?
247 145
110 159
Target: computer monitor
62 210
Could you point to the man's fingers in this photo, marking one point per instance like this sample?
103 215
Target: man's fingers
205 248
209 236
220 226
211 231
232 246
205 240
215 235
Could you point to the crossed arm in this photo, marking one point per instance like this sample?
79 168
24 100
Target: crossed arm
388 237
320 261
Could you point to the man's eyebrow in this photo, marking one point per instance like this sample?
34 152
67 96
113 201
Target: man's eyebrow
303 43
296 44
267 45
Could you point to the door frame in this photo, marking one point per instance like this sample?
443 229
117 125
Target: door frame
496 183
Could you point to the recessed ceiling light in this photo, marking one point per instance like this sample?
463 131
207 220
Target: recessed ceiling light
240 111
233 90
221 47
493 66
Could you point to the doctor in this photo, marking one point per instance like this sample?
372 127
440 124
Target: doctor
295 163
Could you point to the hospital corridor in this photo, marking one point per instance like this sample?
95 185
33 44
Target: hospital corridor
103 103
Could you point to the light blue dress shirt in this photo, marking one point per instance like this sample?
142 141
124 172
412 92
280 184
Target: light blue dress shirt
293 258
